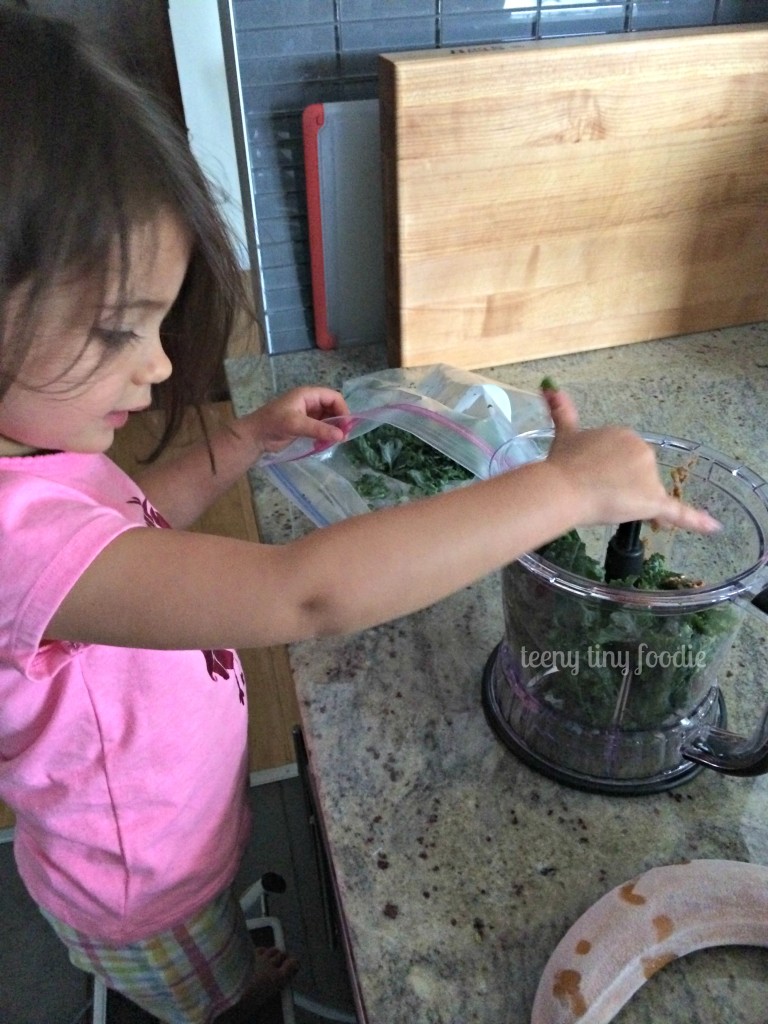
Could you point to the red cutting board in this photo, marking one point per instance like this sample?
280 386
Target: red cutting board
563 195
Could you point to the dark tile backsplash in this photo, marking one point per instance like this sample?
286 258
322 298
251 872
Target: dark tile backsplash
291 53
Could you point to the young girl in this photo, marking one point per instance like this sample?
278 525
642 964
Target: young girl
122 707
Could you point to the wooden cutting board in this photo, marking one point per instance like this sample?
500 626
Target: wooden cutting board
557 196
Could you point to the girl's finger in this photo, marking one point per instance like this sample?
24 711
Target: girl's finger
325 402
321 430
687 518
563 411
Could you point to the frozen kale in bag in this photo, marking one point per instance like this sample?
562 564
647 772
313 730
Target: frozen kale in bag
410 433
391 452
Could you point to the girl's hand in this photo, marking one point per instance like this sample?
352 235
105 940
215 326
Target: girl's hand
300 412
615 474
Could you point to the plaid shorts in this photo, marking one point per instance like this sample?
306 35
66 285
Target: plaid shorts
187 975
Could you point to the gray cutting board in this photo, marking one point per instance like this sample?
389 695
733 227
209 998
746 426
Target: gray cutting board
344 198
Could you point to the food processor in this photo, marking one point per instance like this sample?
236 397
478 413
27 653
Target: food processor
608 687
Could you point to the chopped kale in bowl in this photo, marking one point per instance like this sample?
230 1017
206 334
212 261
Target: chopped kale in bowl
612 662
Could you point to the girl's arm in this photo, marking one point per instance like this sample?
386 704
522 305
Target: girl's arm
183 487
169 589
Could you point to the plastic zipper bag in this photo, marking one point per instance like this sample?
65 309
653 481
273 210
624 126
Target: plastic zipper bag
410 433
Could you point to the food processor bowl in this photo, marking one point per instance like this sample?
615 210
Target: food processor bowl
608 687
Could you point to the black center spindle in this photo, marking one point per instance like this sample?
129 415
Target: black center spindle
626 554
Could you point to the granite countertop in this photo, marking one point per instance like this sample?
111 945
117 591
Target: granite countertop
458 868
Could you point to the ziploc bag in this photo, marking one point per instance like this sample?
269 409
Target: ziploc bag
461 415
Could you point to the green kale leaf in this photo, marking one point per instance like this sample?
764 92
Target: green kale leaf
401 456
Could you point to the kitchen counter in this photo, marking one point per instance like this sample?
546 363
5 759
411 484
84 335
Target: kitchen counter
458 869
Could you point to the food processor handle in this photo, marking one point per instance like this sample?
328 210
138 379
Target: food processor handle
731 754
760 600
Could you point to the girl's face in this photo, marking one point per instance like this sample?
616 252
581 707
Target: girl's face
94 362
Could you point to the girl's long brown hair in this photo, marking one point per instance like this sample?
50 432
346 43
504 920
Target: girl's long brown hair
86 156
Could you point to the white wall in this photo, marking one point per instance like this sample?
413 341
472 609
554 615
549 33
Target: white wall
197 42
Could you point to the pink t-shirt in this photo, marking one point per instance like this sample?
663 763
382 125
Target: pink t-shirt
126 768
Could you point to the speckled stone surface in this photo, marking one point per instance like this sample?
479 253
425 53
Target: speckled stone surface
458 869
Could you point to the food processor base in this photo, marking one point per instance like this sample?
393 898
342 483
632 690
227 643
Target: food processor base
668 779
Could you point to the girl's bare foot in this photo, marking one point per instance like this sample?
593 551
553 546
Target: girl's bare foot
273 969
